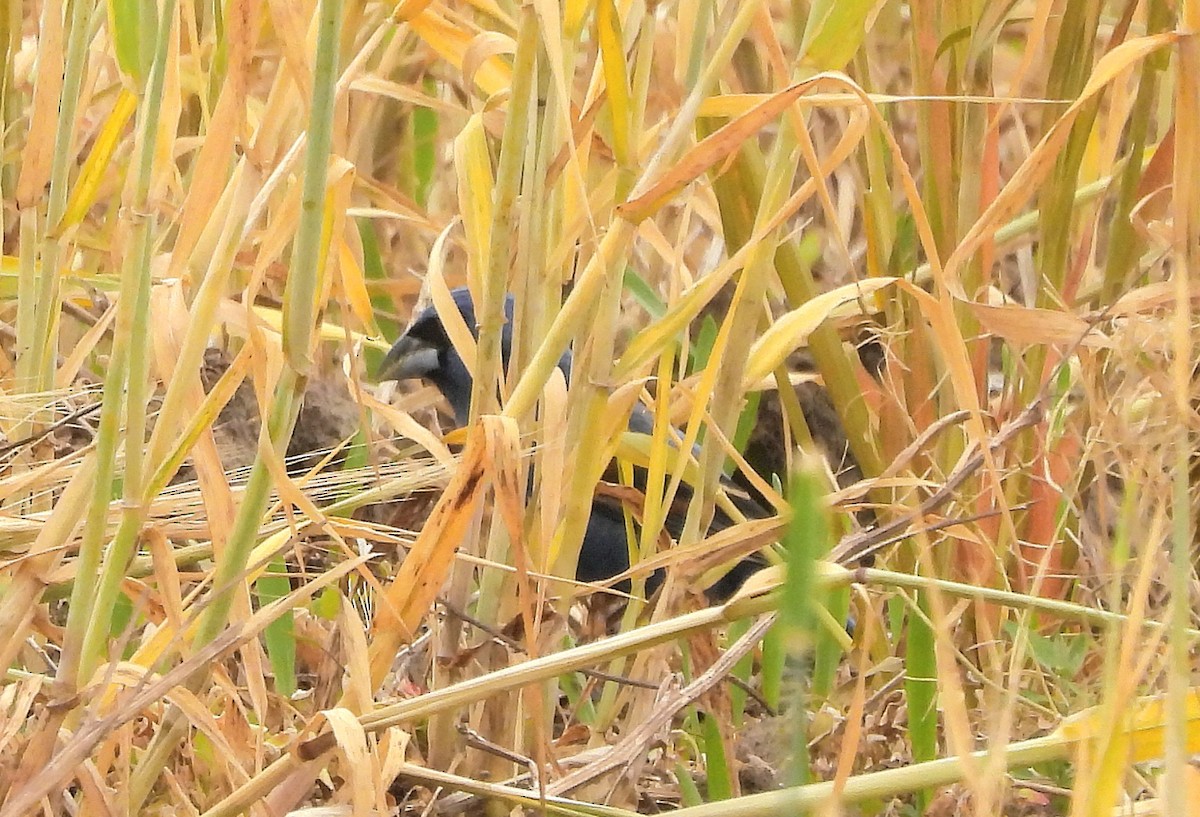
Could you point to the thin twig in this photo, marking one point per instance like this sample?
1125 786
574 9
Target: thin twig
32 439
857 546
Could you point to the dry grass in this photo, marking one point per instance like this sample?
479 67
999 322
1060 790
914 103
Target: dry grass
695 197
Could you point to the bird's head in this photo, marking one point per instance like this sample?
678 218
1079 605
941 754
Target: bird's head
425 351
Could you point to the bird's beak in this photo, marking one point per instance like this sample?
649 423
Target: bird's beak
409 358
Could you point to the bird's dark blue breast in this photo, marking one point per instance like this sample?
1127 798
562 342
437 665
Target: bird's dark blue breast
453 380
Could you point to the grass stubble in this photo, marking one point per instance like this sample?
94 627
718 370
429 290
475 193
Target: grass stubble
688 195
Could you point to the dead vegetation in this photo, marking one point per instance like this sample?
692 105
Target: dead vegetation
947 246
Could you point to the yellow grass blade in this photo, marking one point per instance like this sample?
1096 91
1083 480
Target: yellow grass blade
406 10
790 331
1110 738
616 80
718 146
1029 325
473 164
1026 181
83 195
409 597
460 334
484 47
451 43
43 118
360 769
354 286
328 332
835 30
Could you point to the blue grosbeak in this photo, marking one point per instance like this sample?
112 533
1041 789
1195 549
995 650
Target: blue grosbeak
425 351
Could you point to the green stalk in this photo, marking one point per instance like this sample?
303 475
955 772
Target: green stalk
490 311
134 322
27 285
921 685
514 147
47 308
497 600
64 137
1069 71
38 307
299 320
807 540
203 315
89 616
1186 235
489 314
617 239
740 329
72 669
876 785
232 563
744 180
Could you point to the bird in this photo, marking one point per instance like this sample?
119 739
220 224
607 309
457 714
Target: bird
424 351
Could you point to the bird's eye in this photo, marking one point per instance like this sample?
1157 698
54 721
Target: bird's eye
430 330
